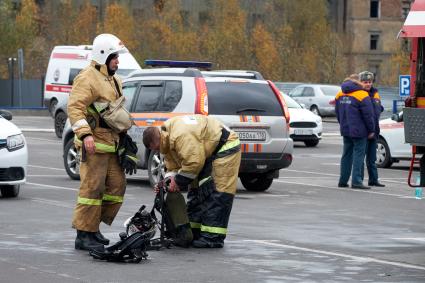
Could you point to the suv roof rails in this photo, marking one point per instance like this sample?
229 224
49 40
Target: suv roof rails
179 64
167 72
235 74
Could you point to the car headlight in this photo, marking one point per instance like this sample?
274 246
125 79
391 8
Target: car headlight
15 142
319 120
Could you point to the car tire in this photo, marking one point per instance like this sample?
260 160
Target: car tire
311 143
156 168
383 154
71 160
315 110
10 191
256 182
60 120
52 107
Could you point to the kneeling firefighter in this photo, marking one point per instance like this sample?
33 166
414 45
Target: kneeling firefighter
200 147
100 121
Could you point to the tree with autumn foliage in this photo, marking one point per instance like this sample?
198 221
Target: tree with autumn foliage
119 22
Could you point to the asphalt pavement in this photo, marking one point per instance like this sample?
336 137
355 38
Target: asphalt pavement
303 229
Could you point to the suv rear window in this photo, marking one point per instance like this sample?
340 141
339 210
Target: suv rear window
236 98
158 96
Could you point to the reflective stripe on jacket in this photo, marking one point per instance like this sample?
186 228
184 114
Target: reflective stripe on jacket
90 86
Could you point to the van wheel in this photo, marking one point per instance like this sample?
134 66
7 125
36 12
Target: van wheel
10 191
71 160
60 120
52 107
156 167
256 182
383 154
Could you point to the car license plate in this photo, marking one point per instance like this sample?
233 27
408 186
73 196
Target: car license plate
252 135
303 132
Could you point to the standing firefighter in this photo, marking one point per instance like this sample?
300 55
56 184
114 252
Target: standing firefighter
102 178
201 147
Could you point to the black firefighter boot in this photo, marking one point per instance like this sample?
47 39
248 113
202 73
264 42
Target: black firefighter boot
87 241
100 238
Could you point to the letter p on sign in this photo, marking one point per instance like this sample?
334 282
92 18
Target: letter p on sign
404 86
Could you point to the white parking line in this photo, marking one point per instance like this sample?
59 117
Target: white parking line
37 130
44 167
41 139
51 186
353 257
347 189
311 172
410 239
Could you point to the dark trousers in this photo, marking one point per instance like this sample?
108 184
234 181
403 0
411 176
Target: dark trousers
371 161
352 160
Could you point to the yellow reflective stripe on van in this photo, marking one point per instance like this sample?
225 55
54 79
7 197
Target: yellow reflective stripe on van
99 146
204 180
216 230
112 198
229 145
89 201
195 225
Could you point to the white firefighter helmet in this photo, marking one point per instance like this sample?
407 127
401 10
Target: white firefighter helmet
104 45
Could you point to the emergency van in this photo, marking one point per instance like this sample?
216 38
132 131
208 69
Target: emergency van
65 63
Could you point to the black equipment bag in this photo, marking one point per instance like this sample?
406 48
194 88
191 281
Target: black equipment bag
134 242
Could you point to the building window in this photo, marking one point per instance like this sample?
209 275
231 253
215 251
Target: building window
374 41
405 8
374 8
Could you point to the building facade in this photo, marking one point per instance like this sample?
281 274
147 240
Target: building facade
370 29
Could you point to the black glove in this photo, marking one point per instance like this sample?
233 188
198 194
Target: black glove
127 150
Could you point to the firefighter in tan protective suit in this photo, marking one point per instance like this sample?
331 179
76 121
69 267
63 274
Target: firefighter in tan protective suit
102 178
200 148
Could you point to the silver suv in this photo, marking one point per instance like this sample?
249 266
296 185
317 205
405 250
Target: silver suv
253 108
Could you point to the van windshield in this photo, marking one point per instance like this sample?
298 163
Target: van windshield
237 98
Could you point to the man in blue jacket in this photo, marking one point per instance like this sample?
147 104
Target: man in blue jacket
366 79
354 111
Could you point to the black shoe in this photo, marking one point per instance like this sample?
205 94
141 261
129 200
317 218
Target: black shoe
101 239
87 241
376 184
360 186
204 243
342 185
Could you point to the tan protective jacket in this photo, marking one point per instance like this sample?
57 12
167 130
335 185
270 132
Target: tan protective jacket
186 141
92 86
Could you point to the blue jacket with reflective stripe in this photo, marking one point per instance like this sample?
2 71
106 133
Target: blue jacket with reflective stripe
377 108
354 111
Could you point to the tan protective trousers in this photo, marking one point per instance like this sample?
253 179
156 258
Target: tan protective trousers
225 173
101 191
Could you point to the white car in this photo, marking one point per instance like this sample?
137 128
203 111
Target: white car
13 156
305 126
391 142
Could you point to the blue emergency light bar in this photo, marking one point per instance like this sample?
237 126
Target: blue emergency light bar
178 64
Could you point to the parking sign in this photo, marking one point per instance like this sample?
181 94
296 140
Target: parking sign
404 85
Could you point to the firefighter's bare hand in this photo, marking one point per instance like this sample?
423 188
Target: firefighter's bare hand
173 186
89 144
371 135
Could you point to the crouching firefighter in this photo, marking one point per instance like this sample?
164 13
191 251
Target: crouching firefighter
98 119
201 148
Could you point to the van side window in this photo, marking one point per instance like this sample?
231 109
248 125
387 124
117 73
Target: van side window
158 96
128 91
72 74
